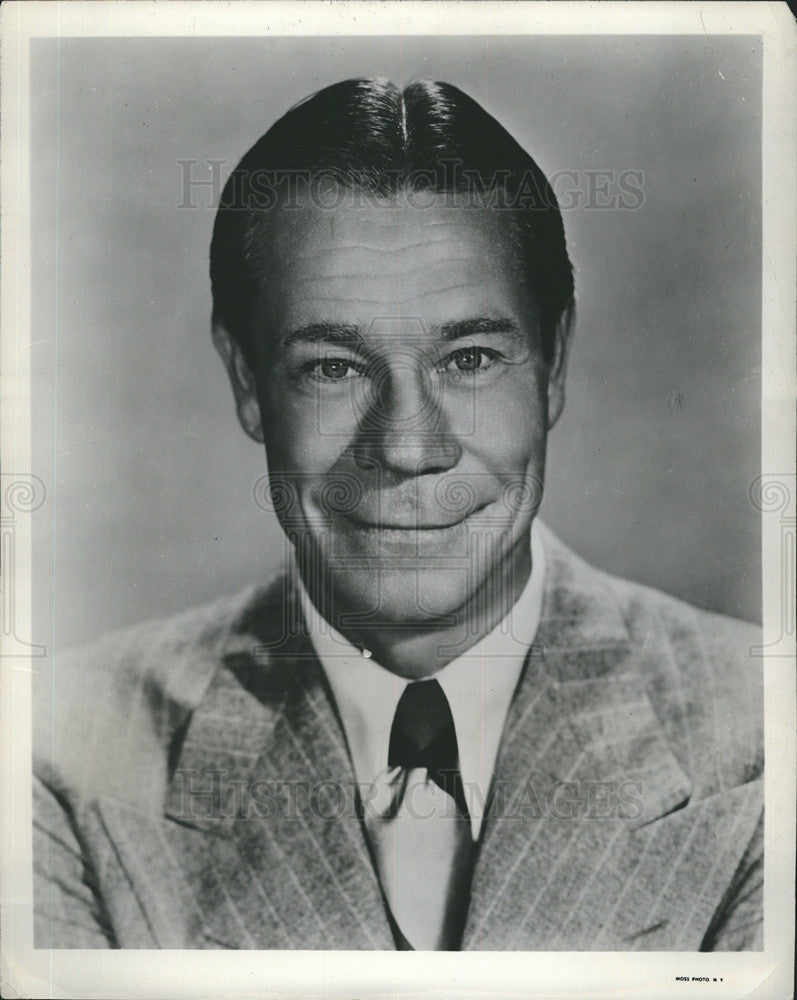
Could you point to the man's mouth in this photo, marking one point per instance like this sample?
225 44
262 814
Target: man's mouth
392 526
417 524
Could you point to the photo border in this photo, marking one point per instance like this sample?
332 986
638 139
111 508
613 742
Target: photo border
30 972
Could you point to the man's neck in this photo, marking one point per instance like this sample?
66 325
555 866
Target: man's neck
415 652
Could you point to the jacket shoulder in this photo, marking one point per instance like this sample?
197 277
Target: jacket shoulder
700 669
704 676
112 708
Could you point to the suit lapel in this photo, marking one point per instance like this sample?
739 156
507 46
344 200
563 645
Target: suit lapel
588 841
261 845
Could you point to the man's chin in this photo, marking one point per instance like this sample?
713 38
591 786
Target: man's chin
408 598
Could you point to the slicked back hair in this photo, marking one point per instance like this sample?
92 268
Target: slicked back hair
368 135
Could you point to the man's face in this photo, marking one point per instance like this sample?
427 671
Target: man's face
403 400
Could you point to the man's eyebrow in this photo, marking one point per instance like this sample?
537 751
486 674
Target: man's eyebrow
478 325
350 335
344 334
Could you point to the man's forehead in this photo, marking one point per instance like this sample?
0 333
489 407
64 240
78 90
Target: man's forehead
368 255
360 222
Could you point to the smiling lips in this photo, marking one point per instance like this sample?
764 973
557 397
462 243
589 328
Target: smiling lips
413 526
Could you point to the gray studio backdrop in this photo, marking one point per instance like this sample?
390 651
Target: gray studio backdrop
149 480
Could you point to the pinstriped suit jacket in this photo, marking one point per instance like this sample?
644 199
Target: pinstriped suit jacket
193 787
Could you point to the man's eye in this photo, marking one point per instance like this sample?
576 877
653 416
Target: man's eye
468 360
335 370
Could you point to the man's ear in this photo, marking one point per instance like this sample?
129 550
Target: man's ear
556 376
242 380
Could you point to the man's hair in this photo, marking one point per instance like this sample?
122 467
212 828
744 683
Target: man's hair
368 136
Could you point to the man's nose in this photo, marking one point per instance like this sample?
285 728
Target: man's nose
405 429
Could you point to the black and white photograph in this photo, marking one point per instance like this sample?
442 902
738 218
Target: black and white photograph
398 489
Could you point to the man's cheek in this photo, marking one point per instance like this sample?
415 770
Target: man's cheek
290 424
514 435
295 452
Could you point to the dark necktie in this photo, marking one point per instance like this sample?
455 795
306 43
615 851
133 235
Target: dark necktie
423 736
421 830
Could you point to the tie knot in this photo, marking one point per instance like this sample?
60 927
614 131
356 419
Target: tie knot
423 733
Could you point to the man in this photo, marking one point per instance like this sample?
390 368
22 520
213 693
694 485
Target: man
440 729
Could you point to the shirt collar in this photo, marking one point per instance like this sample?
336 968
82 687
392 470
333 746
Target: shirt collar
479 686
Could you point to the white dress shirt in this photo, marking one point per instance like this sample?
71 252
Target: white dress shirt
479 686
